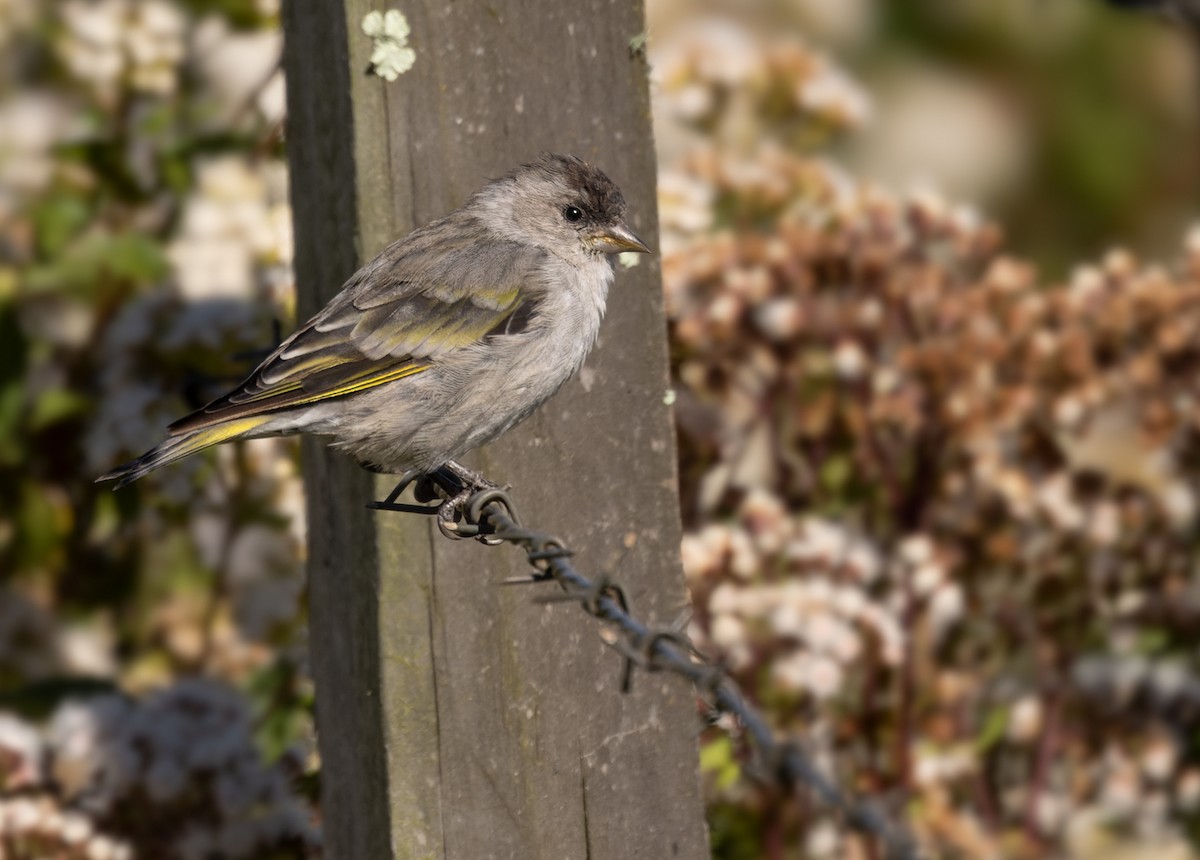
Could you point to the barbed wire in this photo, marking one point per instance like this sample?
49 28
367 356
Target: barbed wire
474 508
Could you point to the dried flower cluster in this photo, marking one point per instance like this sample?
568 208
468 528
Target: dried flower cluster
940 512
738 103
177 774
33 827
111 43
144 249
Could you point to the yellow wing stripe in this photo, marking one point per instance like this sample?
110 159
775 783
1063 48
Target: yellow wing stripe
355 383
361 384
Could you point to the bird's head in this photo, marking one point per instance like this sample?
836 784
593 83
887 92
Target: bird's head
562 204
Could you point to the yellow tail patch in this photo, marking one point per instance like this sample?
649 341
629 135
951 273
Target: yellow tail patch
181 446
220 433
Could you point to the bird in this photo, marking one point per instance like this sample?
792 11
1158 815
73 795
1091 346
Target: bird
447 339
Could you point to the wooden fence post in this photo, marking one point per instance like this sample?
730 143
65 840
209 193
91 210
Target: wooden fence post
458 719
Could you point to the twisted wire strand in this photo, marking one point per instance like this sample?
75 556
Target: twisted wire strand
490 516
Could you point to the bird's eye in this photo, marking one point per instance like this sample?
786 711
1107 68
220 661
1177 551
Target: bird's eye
572 213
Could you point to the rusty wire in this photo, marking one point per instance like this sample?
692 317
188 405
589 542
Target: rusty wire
488 514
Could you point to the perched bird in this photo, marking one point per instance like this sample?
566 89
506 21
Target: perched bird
444 341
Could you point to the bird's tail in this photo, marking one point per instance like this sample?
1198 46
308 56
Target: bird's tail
178 447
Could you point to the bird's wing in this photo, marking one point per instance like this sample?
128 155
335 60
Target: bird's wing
395 318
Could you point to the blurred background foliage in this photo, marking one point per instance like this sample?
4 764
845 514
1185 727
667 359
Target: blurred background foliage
152 637
1085 119
1071 123
937 420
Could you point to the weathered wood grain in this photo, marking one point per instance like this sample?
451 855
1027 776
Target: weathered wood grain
458 719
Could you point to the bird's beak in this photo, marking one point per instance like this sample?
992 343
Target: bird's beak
617 238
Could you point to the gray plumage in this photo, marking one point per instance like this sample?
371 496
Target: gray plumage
445 340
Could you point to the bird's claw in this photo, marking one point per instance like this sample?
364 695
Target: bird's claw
455 485
452 513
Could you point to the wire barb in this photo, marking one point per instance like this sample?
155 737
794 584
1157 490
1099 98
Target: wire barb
489 514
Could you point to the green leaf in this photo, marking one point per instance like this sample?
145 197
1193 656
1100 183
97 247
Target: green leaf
42 524
716 757
130 257
56 221
134 257
283 705
56 404
715 754
1153 641
836 472
995 726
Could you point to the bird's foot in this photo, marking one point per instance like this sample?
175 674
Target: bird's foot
455 485
452 512
468 478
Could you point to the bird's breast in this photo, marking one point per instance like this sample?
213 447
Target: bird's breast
563 331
